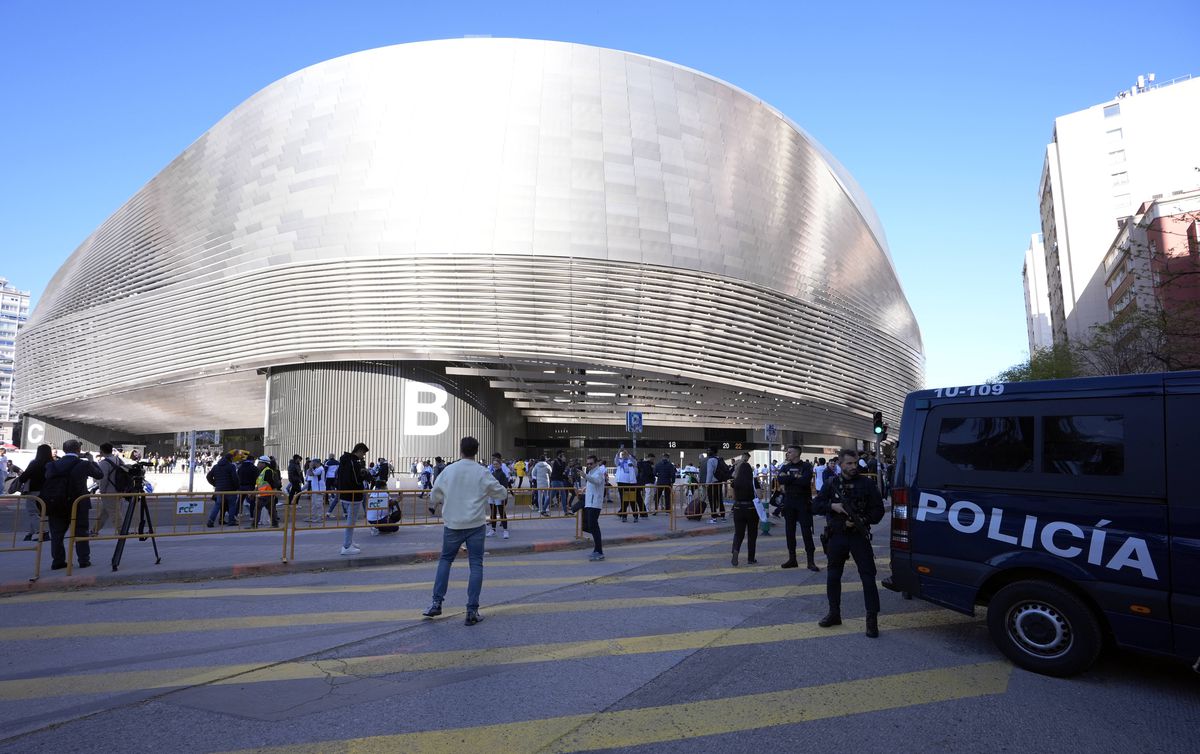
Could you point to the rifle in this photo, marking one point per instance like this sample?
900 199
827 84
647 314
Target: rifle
852 504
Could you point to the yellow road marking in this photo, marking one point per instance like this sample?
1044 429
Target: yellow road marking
285 591
404 662
149 627
674 722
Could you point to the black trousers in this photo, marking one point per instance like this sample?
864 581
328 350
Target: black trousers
715 493
803 515
662 498
843 546
745 525
591 524
58 532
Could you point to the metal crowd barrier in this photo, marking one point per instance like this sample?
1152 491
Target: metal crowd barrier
172 514
636 500
19 512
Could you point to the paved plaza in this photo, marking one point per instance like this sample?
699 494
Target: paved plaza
663 647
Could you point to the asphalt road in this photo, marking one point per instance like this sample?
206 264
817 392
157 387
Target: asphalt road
663 647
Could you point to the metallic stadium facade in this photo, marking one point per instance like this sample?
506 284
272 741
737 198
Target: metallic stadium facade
530 238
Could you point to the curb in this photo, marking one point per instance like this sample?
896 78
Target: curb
275 568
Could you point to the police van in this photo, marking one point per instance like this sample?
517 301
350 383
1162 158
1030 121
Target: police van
1070 508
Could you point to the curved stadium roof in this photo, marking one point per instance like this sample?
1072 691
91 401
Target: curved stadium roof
521 209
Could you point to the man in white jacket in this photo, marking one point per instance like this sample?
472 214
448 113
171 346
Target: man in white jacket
464 489
597 482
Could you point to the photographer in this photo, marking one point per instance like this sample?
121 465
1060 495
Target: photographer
108 505
851 505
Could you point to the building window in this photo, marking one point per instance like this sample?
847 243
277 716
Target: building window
1117 157
1120 179
1114 136
1112 111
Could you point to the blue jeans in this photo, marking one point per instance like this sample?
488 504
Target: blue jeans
452 539
350 508
559 490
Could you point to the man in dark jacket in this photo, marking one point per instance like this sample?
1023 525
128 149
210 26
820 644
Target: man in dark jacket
224 479
76 470
351 475
843 499
295 478
558 481
645 478
795 478
664 476
247 473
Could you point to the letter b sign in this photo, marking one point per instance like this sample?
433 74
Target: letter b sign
423 399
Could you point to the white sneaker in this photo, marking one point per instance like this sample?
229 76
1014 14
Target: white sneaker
504 535
490 533
713 521
351 550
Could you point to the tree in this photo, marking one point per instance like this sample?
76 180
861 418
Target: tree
1052 363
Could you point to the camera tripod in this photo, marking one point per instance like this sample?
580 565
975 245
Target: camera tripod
145 526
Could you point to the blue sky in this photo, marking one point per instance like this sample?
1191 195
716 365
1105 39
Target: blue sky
941 111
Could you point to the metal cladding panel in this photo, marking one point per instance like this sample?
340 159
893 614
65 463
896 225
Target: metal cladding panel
489 200
321 408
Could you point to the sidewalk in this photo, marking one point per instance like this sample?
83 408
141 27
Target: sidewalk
249 553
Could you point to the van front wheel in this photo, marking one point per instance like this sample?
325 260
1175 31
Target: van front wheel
1044 628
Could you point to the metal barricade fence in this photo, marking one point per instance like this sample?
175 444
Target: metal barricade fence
325 510
641 500
36 526
175 514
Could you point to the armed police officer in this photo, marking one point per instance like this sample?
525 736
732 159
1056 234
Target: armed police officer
795 478
851 504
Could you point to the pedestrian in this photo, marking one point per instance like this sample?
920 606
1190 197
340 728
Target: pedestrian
30 484
463 490
559 483
845 500
247 472
295 473
519 470
626 473
315 481
665 475
266 484
596 477
224 479
331 476
351 476
645 482
109 506
66 482
542 471
714 477
439 465
745 516
795 478
497 504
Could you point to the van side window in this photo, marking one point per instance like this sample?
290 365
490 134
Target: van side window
1084 445
996 443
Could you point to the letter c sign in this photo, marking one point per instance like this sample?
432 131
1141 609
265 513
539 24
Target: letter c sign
35 433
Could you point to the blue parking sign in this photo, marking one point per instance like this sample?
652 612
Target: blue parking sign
633 421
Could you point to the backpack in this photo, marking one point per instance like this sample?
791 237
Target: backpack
56 491
120 478
722 473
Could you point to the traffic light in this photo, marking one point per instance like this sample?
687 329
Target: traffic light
877 420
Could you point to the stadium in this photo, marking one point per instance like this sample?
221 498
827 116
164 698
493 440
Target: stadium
520 240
